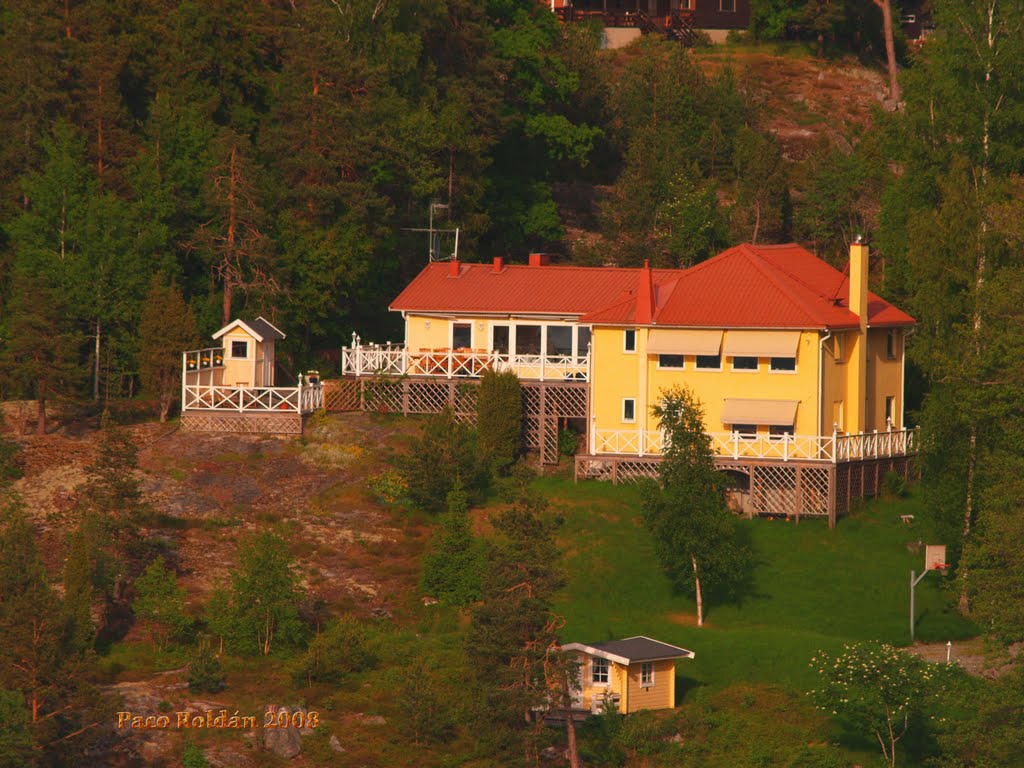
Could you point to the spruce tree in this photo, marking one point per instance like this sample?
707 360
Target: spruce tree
167 328
499 421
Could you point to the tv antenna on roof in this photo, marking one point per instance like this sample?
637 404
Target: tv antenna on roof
434 235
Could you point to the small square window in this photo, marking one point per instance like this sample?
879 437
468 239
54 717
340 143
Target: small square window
629 409
629 340
647 673
745 431
744 363
671 361
890 411
890 345
709 362
599 671
839 348
783 364
780 432
240 349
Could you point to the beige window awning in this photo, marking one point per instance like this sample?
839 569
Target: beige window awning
761 343
774 413
662 341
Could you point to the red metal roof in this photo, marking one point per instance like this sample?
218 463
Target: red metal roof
773 286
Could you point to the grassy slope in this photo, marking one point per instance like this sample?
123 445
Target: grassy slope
812 588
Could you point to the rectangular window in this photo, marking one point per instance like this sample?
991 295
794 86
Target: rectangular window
528 339
837 415
462 335
777 432
709 362
499 339
628 409
890 345
783 364
647 673
671 361
839 348
559 341
728 6
744 363
629 340
745 431
582 341
890 411
240 349
599 671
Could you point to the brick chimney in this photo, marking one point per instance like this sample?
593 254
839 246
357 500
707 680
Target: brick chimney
540 259
499 264
453 268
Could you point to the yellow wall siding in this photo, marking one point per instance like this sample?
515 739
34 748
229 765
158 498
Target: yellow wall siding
426 333
834 377
617 683
885 379
615 376
658 696
239 372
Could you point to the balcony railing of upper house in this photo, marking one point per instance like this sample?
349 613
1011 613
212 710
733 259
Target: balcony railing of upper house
832 448
395 360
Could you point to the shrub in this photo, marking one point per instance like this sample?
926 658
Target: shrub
193 757
388 486
442 458
568 441
893 485
499 420
451 572
160 603
340 650
205 674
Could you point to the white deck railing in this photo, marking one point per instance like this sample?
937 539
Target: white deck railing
831 448
304 398
395 360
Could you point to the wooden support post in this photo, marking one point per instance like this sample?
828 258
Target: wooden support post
541 423
451 394
753 492
799 485
876 479
849 486
615 471
362 394
832 492
405 397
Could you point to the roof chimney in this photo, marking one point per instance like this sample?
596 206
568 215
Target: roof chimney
859 280
453 268
499 264
539 259
645 296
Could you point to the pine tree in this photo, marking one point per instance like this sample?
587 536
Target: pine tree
499 424
167 328
160 603
451 570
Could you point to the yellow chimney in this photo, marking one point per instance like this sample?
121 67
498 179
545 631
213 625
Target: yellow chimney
857 365
859 281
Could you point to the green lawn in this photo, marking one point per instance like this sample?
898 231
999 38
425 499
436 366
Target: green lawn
812 588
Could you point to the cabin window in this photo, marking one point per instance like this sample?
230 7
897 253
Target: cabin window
709 362
780 431
672 362
628 409
728 6
890 345
629 340
240 349
582 341
647 673
559 341
890 411
745 431
783 364
528 339
462 335
599 671
744 363
499 339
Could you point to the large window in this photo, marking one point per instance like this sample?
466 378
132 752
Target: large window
528 339
599 671
240 349
672 362
647 674
628 409
462 335
629 340
783 364
780 432
582 341
559 340
745 431
744 363
499 339
709 362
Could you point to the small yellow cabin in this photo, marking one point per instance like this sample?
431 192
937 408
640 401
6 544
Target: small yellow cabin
632 674
248 352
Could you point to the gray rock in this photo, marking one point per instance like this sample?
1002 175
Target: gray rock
374 720
283 742
335 744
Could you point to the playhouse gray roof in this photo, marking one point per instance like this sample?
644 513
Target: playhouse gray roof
632 649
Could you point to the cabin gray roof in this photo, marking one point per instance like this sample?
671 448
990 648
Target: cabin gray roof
261 328
631 650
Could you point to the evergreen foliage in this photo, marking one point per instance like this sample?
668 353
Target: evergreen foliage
442 458
205 673
167 327
341 649
16 747
697 541
499 420
451 570
160 603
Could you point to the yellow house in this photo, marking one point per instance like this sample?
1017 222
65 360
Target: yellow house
632 674
248 352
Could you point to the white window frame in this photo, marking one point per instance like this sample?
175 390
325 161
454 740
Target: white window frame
773 370
698 367
755 369
472 332
890 411
671 367
594 662
647 674
248 345
744 437
778 438
625 338
628 400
